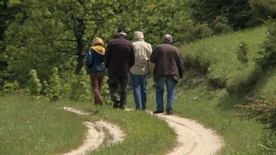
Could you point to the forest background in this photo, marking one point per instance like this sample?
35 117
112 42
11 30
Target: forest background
43 43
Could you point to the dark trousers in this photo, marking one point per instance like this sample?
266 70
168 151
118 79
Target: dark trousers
118 93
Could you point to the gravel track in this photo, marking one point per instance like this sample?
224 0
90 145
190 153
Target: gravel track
192 137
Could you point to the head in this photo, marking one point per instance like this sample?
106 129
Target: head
138 35
98 41
121 33
167 39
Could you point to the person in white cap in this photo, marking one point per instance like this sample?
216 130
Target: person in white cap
167 70
139 72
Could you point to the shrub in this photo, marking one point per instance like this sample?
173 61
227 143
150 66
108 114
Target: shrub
10 86
263 9
242 53
80 86
268 52
221 25
34 85
191 32
55 85
262 110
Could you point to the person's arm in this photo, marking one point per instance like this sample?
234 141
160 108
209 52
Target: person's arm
180 65
132 57
89 58
107 56
149 52
153 56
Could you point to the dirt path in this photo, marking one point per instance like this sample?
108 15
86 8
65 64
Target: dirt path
193 138
96 135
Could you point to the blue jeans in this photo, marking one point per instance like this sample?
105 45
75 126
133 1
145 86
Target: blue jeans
171 85
139 86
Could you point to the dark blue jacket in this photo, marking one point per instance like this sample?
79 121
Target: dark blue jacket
95 60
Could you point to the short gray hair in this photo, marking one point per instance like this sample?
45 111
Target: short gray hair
167 39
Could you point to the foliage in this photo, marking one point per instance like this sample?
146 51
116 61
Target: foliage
269 143
220 24
45 34
80 86
242 53
10 86
105 92
55 88
34 84
237 12
262 110
268 52
191 32
263 9
7 12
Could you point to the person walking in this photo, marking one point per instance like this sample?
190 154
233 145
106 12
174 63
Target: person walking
96 68
167 70
119 57
139 72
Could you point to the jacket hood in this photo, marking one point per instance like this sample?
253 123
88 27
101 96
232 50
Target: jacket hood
99 49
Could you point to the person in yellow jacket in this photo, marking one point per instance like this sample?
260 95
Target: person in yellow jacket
139 72
96 68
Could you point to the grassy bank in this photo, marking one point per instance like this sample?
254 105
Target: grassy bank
29 126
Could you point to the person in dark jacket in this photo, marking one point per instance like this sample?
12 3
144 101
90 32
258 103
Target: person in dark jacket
96 68
119 57
167 70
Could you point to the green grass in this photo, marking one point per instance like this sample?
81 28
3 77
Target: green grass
29 126
214 109
146 134
221 51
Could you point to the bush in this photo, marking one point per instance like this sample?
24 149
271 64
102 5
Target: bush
268 52
80 86
191 32
242 53
262 110
263 9
34 85
221 25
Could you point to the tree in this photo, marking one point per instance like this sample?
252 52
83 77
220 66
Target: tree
238 12
7 15
263 9
46 34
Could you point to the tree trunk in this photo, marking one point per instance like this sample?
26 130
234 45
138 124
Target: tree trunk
80 56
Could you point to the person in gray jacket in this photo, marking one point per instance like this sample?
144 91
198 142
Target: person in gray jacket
139 72
167 70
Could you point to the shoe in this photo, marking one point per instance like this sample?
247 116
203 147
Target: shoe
158 111
169 112
116 105
122 106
